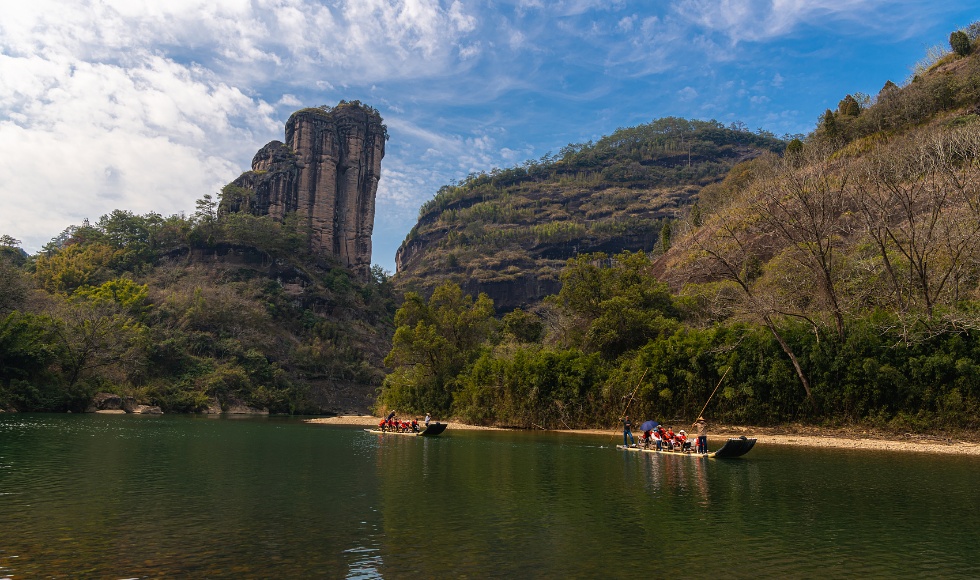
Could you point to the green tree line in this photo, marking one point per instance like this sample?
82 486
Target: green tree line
615 334
185 312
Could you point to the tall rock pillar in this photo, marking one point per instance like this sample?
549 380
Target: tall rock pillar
327 172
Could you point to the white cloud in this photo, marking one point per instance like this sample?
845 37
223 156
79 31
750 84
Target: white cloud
146 106
687 94
79 139
760 20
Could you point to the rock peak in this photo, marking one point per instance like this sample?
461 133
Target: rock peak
327 172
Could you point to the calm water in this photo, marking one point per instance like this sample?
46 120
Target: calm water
95 496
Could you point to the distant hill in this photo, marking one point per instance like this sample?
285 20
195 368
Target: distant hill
509 232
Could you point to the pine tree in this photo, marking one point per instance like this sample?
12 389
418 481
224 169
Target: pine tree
849 106
960 43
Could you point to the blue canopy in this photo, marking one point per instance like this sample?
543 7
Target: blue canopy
648 425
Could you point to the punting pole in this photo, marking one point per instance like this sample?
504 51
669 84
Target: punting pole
626 408
714 391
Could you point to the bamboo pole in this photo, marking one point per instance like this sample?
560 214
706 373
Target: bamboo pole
636 388
714 391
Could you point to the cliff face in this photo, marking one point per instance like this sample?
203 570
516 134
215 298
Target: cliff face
326 172
509 232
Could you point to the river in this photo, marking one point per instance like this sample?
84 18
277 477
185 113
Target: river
122 496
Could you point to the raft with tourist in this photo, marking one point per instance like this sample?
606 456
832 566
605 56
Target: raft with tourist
734 447
390 425
657 439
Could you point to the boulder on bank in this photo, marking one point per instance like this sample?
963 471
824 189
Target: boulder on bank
105 402
146 410
243 409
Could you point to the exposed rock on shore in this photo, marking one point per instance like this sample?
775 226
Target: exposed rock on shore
109 403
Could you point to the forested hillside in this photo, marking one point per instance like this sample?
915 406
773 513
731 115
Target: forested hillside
207 312
508 232
837 281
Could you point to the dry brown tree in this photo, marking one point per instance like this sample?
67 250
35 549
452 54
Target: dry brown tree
920 200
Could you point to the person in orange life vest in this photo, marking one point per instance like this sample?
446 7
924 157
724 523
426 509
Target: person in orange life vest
645 439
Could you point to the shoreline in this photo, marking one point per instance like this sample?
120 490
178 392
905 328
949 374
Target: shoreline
791 435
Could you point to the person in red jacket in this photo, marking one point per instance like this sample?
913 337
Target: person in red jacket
664 440
682 441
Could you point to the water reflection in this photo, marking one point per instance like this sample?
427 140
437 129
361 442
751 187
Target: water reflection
674 475
180 497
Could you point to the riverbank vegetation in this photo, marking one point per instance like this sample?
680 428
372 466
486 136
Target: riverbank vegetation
837 281
212 311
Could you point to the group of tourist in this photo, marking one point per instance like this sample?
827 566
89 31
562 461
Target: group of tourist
393 424
666 439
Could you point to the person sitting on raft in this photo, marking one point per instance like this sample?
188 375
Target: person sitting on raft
415 425
645 438
662 436
682 441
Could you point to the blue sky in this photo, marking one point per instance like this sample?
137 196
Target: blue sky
148 105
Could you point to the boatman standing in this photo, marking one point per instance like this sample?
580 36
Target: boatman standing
427 419
628 432
702 426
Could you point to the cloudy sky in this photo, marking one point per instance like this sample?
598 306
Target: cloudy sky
147 105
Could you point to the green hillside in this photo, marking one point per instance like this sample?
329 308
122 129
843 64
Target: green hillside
508 232
837 281
212 311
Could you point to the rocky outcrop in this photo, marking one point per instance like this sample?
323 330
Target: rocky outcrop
326 172
114 404
105 402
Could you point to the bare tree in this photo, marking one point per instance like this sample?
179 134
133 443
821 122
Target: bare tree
734 248
921 206
803 199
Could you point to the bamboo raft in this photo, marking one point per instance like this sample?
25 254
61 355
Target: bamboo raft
431 431
734 447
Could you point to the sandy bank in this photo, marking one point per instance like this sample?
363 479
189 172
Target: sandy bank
369 421
803 436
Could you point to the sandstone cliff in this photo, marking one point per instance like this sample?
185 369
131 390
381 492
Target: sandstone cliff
326 172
